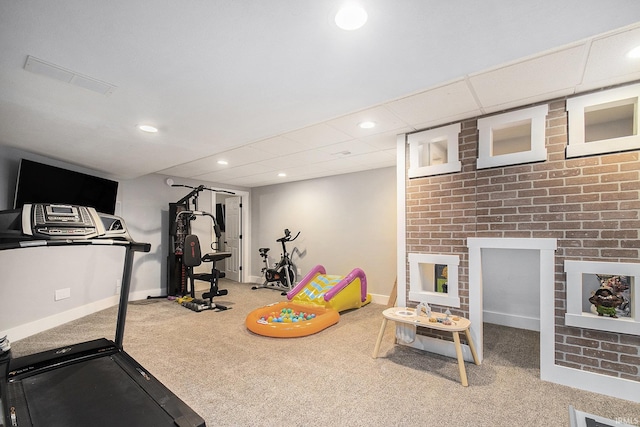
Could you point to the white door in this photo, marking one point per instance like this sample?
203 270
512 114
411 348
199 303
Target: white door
233 237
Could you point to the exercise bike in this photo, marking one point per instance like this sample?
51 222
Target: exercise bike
284 274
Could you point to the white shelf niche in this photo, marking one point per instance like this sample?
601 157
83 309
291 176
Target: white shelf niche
423 282
434 152
604 122
512 138
578 294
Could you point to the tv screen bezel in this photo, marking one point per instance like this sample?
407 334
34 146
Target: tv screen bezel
30 171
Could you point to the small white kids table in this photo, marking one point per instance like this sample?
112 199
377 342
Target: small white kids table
408 316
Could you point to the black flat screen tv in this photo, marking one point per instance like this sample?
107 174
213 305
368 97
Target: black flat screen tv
40 183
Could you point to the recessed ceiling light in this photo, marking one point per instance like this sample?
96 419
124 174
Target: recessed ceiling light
634 53
367 124
282 174
148 128
351 16
223 162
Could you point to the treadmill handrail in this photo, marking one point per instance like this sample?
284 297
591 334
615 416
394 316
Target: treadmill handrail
135 246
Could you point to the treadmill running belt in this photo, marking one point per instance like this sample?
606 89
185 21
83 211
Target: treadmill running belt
93 393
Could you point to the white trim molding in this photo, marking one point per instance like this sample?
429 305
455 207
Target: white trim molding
575 315
615 125
430 143
533 119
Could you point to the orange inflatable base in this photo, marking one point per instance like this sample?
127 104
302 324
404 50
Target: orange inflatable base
325 317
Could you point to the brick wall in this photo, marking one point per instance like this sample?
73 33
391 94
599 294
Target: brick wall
591 205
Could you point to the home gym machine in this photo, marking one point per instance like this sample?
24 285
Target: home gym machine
284 274
185 254
94 383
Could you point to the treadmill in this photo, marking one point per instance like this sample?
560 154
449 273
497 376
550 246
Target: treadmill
90 384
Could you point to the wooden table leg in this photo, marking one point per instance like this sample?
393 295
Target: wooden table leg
472 347
380 335
463 372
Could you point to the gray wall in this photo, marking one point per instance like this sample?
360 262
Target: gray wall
142 202
346 221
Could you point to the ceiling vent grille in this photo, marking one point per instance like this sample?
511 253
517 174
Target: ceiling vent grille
38 66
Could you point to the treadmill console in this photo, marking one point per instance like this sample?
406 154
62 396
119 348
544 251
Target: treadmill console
51 221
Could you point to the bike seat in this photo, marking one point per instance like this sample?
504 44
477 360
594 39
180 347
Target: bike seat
215 256
263 251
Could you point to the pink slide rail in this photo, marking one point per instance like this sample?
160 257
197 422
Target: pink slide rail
318 269
356 273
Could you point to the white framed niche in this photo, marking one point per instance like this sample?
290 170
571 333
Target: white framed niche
585 277
604 122
434 152
426 272
512 138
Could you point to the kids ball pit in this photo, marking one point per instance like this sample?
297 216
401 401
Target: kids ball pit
286 315
282 323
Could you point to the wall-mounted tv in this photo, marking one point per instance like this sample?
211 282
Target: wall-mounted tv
40 183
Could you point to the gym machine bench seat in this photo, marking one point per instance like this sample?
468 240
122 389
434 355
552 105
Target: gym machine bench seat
94 383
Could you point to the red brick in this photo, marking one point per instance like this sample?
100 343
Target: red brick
619 234
601 188
582 360
600 169
620 158
620 177
602 206
620 348
619 367
598 354
619 253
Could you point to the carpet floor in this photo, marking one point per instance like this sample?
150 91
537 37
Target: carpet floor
232 377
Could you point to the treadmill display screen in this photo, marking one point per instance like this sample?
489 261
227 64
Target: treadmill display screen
62 209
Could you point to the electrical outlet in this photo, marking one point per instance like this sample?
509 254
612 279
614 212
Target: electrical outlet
62 294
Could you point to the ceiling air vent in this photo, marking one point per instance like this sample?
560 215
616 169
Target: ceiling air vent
38 66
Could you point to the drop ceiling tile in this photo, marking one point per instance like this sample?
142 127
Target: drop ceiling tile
536 77
384 119
235 157
436 105
317 136
242 156
387 140
308 157
608 64
194 168
386 157
294 171
530 100
341 165
237 172
351 147
278 145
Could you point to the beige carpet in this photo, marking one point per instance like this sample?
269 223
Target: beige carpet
232 377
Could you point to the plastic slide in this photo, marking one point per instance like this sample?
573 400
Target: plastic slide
314 305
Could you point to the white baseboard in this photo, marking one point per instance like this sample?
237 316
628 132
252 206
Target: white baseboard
379 299
40 325
512 320
255 279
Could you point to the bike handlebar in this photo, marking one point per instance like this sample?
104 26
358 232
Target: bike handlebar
287 236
